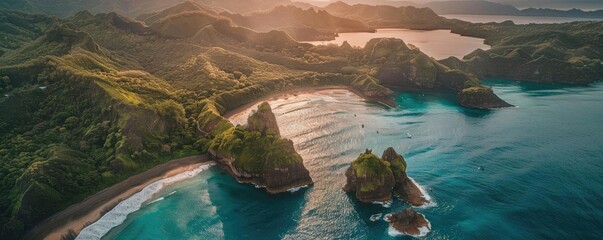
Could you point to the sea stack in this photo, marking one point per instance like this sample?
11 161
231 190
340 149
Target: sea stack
409 222
370 178
257 154
404 188
373 179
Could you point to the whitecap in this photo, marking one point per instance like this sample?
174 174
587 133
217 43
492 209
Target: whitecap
387 204
295 189
386 217
376 217
119 213
156 200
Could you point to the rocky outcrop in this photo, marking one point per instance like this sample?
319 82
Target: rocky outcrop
373 179
404 188
409 222
263 120
370 178
370 87
257 154
480 98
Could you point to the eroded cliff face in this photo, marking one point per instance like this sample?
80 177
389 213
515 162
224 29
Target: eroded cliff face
264 121
370 179
257 154
404 188
373 179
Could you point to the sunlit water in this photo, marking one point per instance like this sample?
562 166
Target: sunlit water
516 19
541 180
438 44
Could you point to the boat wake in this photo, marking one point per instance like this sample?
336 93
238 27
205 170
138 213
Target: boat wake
119 213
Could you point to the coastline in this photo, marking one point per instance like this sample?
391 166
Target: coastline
76 217
301 90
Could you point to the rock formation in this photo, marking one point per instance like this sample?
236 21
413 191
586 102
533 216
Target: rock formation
404 188
370 178
409 222
480 98
373 179
257 154
264 121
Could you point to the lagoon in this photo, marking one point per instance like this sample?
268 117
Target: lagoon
438 44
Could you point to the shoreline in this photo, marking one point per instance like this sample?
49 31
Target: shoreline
387 101
77 216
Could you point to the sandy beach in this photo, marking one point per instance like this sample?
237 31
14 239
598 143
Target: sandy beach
79 215
295 91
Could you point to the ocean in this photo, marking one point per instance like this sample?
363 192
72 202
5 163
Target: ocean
542 170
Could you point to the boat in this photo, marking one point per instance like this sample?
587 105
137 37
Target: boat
408 135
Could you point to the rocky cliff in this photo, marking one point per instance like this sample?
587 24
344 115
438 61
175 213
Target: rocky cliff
404 188
373 179
264 121
257 154
409 222
370 178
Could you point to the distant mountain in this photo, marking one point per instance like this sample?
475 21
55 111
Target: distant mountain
66 8
302 25
383 16
492 8
133 8
248 6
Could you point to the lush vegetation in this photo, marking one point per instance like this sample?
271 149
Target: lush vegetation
92 99
256 147
398 166
568 53
372 169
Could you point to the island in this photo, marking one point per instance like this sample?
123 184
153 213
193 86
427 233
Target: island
257 154
372 179
409 222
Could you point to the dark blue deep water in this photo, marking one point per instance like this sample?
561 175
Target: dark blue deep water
542 177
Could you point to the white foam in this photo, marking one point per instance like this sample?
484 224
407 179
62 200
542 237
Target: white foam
386 217
119 213
157 200
292 190
376 217
161 198
423 231
387 204
430 202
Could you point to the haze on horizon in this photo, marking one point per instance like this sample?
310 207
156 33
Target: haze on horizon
556 4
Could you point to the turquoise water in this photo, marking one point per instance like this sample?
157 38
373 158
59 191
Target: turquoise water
542 177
